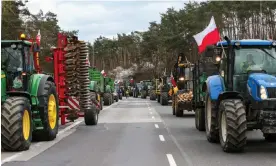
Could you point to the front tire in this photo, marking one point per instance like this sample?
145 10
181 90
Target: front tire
232 125
50 114
164 98
16 124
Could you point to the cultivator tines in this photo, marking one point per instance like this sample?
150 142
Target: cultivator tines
70 68
83 77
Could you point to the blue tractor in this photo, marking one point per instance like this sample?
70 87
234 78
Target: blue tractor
243 95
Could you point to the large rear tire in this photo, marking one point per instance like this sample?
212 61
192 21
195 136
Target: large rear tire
173 105
16 124
49 115
211 130
232 125
91 115
178 111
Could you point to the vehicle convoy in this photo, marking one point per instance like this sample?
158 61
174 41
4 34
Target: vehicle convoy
154 91
206 66
29 102
165 85
96 86
182 93
71 76
136 91
146 85
243 95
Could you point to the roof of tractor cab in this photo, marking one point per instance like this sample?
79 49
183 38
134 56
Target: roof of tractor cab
248 42
8 42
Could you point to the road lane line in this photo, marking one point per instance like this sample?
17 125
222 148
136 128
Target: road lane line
10 158
150 112
161 137
152 117
171 160
156 126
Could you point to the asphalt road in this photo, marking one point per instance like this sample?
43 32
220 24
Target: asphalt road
139 132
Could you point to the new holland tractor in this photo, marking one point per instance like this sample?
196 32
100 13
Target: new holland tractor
29 103
182 94
206 66
163 97
243 96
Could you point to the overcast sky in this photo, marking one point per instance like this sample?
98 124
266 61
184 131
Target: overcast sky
106 18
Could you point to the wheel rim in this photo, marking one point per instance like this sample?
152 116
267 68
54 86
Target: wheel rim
209 114
223 126
26 125
52 111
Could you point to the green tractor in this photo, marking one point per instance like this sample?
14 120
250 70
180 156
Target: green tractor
96 86
108 93
154 91
146 85
29 103
163 97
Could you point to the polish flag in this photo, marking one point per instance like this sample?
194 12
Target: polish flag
209 36
103 73
38 37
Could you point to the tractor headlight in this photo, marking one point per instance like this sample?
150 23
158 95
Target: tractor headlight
218 58
181 79
274 43
263 93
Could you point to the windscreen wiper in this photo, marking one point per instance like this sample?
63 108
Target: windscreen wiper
267 53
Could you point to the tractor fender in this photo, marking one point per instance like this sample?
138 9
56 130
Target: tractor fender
214 85
36 86
20 93
229 95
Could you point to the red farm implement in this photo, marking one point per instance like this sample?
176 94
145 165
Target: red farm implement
71 77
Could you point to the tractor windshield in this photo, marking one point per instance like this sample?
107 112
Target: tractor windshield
11 59
255 59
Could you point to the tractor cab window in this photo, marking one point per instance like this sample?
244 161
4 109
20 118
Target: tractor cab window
255 59
11 58
29 61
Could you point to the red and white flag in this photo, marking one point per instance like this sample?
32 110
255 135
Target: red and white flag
103 73
172 80
38 37
209 36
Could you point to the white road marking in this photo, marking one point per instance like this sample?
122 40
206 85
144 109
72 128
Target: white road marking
161 137
152 117
150 112
51 143
171 160
149 109
156 126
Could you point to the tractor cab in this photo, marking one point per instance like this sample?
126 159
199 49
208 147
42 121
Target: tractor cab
17 62
252 60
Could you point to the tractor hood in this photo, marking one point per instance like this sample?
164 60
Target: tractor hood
263 79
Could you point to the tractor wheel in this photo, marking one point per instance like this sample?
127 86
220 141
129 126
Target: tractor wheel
158 98
152 95
173 106
212 133
91 115
50 114
106 99
16 124
117 98
232 125
178 112
270 137
200 119
164 96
